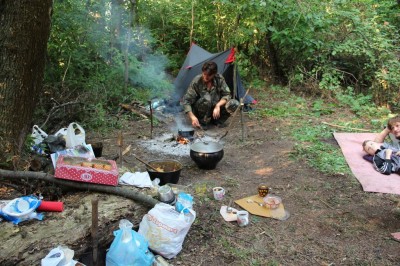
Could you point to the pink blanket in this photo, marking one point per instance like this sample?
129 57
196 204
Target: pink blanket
370 179
396 235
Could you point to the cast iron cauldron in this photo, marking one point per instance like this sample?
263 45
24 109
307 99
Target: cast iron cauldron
206 154
171 171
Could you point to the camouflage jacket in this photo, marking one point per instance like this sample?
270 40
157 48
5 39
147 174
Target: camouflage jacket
198 89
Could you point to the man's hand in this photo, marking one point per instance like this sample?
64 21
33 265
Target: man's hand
195 121
217 108
216 112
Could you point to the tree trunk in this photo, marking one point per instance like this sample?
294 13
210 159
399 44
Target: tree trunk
277 73
24 32
273 56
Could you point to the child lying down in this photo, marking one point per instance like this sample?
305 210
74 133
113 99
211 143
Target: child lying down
386 158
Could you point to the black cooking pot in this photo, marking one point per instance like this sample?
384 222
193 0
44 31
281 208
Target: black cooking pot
186 133
171 170
206 154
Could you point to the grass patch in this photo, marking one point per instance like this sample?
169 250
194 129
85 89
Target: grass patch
314 141
322 156
243 254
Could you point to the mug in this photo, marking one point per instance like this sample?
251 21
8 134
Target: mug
263 190
165 194
219 193
242 218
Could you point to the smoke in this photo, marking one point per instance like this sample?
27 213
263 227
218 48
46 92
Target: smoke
129 50
179 122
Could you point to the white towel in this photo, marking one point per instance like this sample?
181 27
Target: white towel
137 179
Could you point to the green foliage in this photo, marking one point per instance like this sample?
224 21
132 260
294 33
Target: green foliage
320 108
320 47
314 142
88 57
320 155
285 104
360 104
355 48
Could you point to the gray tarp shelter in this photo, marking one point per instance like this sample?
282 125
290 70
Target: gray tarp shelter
192 67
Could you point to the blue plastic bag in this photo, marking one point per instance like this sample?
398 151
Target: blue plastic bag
21 209
128 248
184 202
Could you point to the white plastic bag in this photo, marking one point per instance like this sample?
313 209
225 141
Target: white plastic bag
38 134
62 132
75 135
59 256
166 229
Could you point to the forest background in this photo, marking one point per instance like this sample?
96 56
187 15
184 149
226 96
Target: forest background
73 60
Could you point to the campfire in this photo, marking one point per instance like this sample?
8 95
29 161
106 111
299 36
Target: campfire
182 140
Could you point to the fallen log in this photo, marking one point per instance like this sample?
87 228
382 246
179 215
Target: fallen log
119 191
142 112
30 241
72 227
132 109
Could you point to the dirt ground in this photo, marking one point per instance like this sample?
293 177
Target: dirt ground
332 221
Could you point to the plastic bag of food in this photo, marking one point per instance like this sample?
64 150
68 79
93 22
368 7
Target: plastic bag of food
166 229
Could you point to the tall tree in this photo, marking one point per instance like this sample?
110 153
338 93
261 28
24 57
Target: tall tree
24 32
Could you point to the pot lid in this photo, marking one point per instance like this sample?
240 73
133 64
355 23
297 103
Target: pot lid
206 147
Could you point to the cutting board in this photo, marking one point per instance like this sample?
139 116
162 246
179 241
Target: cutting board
229 217
251 205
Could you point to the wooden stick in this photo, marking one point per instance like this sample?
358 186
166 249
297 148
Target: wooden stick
95 228
352 128
233 116
151 120
120 143
140 160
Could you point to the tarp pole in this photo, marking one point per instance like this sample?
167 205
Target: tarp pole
241 100
234 82
241 118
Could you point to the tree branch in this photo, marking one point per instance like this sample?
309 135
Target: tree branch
54 109
119 191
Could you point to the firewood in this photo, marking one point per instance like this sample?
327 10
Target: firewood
130 108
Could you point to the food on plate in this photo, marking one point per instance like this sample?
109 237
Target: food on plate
272 202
